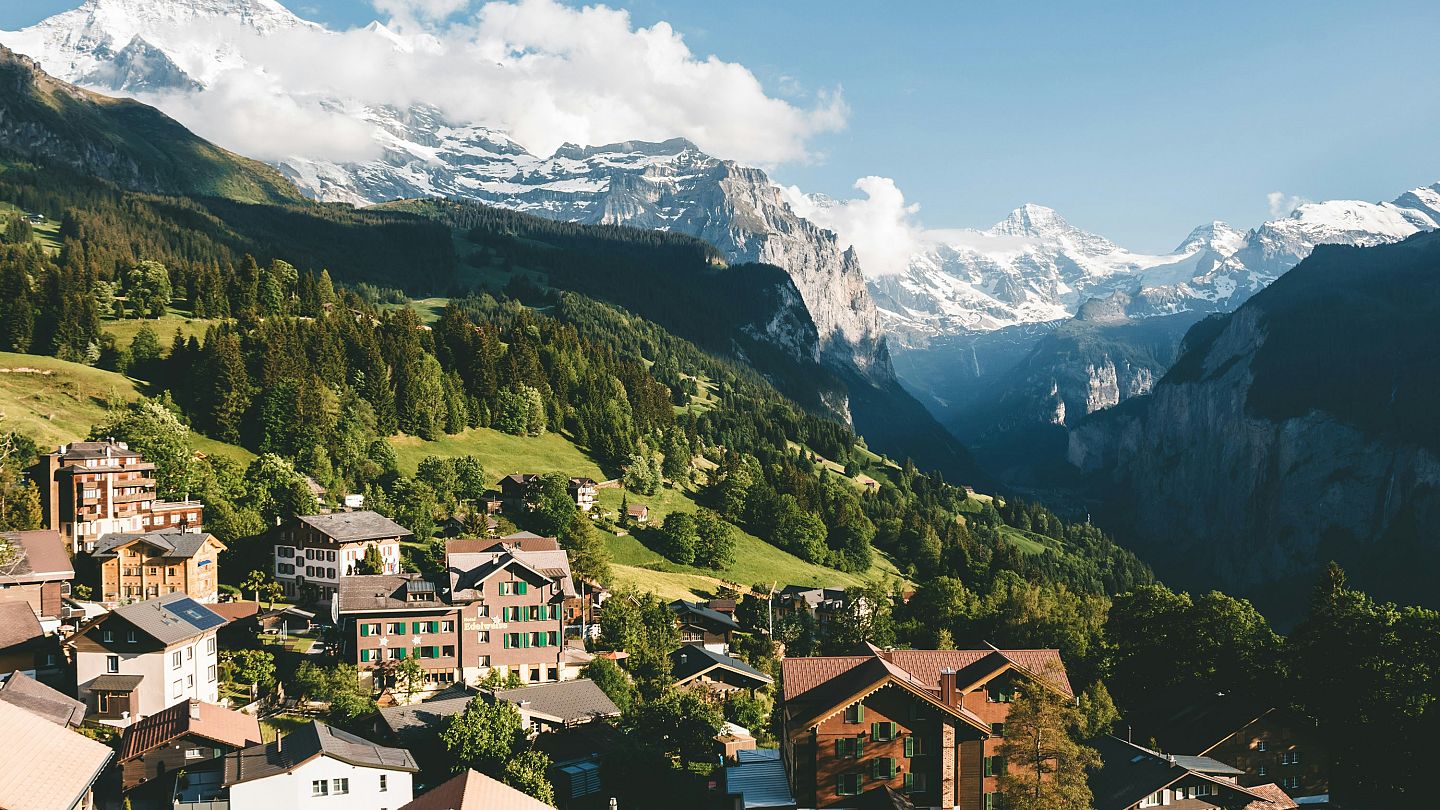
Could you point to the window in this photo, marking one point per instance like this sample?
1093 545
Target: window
1260 771
320 787
447 651
106 636
848 784
484 637
175 660
483 661
397 629
883 731
884 768
340 786
189 681
190 652
1290 758
997 729
994 766
112 663
1290 783
131 637
998 694
384 783
210 673
504 588
915 782
194 753
177 688
1153 800
847 748
210 645
447 627
1202 790
1261 745
855 714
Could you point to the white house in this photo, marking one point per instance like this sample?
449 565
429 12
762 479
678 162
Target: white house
317 767
145 657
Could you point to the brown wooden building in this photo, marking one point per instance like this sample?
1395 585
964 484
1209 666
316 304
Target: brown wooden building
192 736
38 572
135 567
924 723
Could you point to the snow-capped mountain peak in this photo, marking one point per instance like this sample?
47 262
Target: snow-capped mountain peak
1217 236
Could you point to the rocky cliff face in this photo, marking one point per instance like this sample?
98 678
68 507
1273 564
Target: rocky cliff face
1226 474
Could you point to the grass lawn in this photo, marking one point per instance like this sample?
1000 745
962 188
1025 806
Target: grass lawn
500 453
282 723
54 401
1028 542
124 329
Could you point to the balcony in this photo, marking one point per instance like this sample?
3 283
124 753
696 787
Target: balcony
133 497
202 790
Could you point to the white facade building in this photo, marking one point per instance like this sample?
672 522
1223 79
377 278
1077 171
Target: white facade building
317 767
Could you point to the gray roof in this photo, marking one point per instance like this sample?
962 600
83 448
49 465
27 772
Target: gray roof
699 611
170 619
306 743
759 780
470 568
173 545
38 699
355 527
116 683
565 702
413 721
1129 773
366 592
693 659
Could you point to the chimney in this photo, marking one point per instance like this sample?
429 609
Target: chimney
947 687
279 740
194 710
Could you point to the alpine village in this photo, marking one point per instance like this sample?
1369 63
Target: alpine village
480 480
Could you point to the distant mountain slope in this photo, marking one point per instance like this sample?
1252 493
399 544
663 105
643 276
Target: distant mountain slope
123 141
1295 430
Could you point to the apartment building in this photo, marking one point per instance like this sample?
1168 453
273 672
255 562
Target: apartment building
91 489
315 552
498 607
136 567
144 657
924 723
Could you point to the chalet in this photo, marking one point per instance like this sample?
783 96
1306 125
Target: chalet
143 658
517 491
317 761
638 513
190 736
583 490
314 553
47 765
924 723
91 489
19 689
1132 777
498 607
1268 743
695 666
472 790
38 573
822 604
699 624
135 567
25 646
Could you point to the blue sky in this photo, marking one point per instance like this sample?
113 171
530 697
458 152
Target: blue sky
1134 120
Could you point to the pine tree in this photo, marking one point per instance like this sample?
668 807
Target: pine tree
1045 767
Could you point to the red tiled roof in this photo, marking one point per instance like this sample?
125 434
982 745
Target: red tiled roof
18 624
231 611
1275 798
803 675
44 556
522 543
472 790
216 723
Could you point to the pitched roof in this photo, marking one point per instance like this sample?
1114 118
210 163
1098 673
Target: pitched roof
469 569
564 702
53 768
116 683
306 743
169 619
355 527
38 699
1273 798
524 541
692 660
699 611
365 592
18 624
472 790
234 611
207 720
173 545
42 558
415 720
759 780
97 449
802 675
1129 773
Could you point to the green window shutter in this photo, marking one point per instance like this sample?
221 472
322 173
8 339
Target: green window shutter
505 641
526 639
400 653
910 746
989 767
364 630
874 731
859 712
909 782
859 746
520 587
839 749
364 656
414 628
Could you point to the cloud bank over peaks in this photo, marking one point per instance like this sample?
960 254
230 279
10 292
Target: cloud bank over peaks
543 72
884 229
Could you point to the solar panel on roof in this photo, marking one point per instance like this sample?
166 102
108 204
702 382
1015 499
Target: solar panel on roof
195 614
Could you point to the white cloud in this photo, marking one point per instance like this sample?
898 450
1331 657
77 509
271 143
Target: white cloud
881 226
1281 204
544 72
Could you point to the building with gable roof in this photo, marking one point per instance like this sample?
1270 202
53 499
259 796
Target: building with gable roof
701 667
135 567
1133 777
46 766
38 573
21 690
498 606
314 553
24 644
703 625
190 736
143 658
91 489
924 723
314 762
